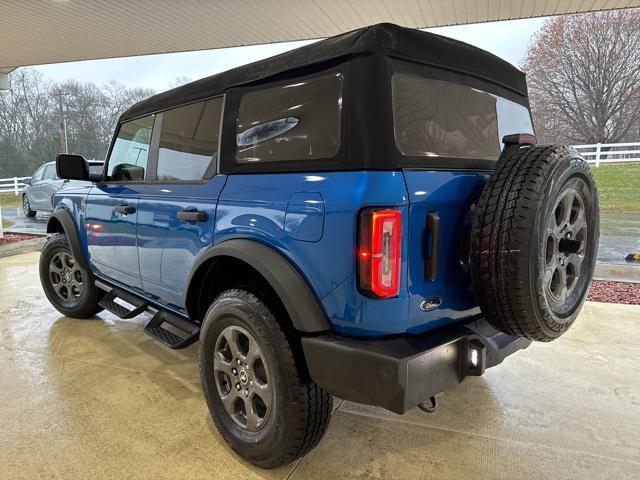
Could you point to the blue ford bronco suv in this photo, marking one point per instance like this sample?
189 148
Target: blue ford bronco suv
367 217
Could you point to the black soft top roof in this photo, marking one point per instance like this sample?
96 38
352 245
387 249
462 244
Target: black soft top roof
384 38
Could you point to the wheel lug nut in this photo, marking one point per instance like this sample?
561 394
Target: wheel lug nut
238 386
234 371
250 382
568 235
246 392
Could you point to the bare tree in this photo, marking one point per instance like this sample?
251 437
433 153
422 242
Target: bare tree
583 73
25 121
30 125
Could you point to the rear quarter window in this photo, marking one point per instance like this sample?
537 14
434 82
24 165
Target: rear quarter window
299 120
435 118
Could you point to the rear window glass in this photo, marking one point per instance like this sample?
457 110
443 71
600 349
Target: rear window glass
296 121
189 140
434 118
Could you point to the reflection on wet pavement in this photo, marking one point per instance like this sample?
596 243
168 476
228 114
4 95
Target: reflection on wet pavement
21 224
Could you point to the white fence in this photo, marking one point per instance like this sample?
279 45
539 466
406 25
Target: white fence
12 184
610 152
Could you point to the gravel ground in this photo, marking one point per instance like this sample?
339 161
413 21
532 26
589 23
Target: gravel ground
614 292
12 238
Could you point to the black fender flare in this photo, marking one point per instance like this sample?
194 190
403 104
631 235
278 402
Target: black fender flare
301 304
64 218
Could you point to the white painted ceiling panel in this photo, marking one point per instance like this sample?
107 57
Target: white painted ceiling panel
50 31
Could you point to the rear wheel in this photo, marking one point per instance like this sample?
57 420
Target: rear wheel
262 402
69 287
534 241
26 207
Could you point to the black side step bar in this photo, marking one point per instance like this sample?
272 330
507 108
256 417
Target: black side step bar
155 329
108 303
189 331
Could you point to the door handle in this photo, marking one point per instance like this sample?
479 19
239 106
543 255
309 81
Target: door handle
192 216
125 209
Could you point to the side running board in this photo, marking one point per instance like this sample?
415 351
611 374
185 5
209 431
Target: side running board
190 331
182 333
108 302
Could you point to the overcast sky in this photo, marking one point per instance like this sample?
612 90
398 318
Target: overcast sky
508 40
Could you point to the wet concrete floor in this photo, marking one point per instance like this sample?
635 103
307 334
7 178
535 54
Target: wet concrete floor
83 399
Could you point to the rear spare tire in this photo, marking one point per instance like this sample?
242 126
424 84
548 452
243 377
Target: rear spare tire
534 241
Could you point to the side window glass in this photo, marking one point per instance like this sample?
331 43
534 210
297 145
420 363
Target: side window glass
96 168
130 153
38 175
189 140
50 172
296 121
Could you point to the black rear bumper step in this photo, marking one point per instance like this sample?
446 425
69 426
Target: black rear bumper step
155 329
187 331
400 372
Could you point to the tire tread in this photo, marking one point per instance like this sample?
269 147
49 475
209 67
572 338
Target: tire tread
501 240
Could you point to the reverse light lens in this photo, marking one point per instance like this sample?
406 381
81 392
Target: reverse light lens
474 358
379 252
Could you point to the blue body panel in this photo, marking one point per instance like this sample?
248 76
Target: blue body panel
169 247
451 195
111 236
309 218
255 207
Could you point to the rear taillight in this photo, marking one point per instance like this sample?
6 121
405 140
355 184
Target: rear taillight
379 252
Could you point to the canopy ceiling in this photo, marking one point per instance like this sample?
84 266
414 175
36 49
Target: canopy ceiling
51 31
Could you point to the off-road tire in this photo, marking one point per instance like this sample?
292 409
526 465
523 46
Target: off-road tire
513 255
26 207
86 305
300 411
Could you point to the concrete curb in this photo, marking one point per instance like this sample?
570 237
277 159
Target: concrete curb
25 246
617 273
25 231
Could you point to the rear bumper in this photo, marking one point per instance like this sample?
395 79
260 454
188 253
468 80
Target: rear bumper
398 373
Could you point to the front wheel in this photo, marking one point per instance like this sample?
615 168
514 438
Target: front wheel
69 287
258 397
26 207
